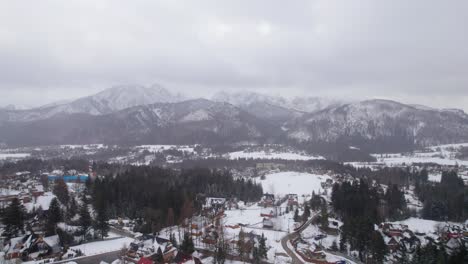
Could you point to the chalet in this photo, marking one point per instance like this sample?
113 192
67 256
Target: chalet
453 244
182 258
293 200
393 229
147 246
267 200
144 260
270 166
212 202
267 212
69 178
31 247
210 236
392 244
267 223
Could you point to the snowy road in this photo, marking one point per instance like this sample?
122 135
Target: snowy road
292 236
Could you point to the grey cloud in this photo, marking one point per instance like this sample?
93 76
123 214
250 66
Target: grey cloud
414 51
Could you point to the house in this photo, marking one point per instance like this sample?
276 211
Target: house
268 212
270 166
392 244
393 229
144 260
453 244
147 246
30 247
267 200
293 200
214 204
182 258
267 223
69 178
44 246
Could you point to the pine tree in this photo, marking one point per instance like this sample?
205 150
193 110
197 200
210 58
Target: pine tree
54 216
296 216
13 217
460 256
220 252
170 217
378 247
306 214
324 217
241 245
72 209
256 256
85 219
262 249
159 258
187 245
334 246
343 246
61 191
101 224
173 240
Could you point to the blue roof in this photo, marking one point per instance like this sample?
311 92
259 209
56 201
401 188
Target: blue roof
68 178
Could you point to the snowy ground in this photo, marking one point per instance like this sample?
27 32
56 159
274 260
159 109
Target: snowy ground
422 225
42 201
87 147
250 216
271 155
299 183
160 148
442 155
100 247
14 155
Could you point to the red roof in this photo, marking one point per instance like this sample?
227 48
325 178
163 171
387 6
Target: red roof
145 261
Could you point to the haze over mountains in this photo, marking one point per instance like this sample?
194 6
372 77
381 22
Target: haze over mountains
148 115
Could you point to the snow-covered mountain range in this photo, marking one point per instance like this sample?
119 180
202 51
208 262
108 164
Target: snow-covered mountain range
387 121
105 102
137 114
191 121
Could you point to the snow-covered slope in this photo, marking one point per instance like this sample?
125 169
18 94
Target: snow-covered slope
105 102
186 122
275 108
307 104
379 120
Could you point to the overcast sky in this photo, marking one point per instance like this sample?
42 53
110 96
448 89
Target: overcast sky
412 51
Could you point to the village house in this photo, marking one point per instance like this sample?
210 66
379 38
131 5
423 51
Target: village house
31 247
147 246
267 223
293 200
267 200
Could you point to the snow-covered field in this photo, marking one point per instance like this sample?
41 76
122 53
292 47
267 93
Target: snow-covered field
100 247
271 155
422 225
402 159
160 148
250 216
14 155
87 147
42 201
299 183
443 155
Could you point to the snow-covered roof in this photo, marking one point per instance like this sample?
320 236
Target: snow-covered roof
52 240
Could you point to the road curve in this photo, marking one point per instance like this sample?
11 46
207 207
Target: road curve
292 236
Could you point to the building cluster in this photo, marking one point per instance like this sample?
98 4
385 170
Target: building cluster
29 190
400 238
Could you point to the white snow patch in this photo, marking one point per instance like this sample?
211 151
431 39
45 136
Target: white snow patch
271 155
100 247
299 183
